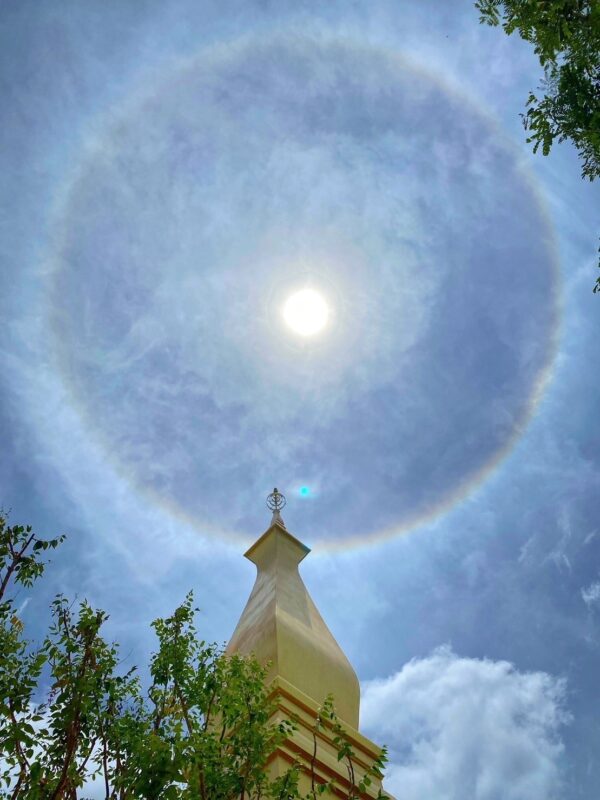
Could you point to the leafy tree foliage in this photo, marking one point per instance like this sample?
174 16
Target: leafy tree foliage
566 38
202 729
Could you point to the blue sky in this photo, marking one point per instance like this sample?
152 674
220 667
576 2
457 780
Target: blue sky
171 172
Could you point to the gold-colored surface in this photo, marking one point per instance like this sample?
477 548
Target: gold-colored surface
320 764
281 625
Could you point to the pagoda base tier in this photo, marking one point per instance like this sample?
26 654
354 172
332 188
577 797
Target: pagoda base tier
312 750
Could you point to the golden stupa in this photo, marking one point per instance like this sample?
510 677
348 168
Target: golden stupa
281 626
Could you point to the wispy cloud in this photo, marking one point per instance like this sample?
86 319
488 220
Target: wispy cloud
591 594
272 162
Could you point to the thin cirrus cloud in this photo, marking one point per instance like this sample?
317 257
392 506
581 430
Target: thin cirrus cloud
174 250
591 594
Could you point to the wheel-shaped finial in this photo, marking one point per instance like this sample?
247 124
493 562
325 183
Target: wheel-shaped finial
276 501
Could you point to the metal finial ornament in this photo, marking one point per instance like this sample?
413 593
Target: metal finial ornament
276 501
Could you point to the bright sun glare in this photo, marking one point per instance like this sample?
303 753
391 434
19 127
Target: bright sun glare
306 312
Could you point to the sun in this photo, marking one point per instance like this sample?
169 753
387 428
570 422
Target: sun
306 312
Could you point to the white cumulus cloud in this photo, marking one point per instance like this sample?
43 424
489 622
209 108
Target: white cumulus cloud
468 728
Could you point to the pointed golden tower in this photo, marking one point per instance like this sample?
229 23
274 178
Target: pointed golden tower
282 626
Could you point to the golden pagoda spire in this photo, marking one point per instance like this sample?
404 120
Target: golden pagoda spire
281 626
